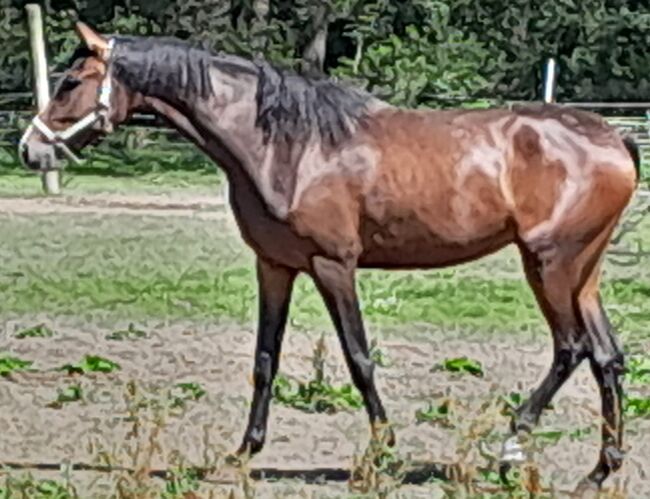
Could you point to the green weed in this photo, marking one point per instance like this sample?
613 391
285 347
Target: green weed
378 355
463 365
71 393
181 482
91 364
512 401
380 470
638 370
39 331
130 333
636 407
316 395
28 487
438 414
184 392
9 365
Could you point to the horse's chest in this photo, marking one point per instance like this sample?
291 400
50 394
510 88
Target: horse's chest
271 238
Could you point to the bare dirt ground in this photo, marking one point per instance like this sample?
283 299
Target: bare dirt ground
105 203
220 358
100 429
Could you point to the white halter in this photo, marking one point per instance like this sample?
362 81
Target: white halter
102 111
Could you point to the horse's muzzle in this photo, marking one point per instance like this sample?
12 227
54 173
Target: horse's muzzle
37 155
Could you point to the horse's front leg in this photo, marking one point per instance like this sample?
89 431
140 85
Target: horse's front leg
274 284
336 283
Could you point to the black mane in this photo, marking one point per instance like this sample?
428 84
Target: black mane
162 67
290 107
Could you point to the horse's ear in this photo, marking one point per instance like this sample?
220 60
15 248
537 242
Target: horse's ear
93 40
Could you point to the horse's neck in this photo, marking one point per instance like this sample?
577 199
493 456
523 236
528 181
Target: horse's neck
224 126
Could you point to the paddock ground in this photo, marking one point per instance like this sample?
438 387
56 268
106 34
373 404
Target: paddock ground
90 264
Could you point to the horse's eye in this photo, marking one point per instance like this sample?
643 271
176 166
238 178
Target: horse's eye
69 83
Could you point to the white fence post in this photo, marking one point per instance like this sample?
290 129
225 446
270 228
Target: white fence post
550 78
50 179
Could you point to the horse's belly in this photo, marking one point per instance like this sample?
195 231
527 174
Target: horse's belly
410 245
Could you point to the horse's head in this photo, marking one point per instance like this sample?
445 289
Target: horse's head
86 104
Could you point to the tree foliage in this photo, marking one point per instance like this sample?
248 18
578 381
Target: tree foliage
409 52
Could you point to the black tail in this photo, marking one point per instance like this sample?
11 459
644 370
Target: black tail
633 149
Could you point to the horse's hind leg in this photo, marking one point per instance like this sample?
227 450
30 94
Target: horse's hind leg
607 365
565 282
552 278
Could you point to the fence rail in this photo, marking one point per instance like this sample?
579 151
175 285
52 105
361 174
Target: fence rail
617 114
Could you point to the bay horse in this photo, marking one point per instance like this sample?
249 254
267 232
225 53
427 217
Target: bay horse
324 179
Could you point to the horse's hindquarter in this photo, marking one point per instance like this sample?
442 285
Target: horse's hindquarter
436 195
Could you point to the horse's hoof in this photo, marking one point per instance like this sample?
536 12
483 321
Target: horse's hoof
241 456
234 459
512 451
586 489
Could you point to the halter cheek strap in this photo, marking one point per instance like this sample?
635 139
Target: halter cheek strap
101 112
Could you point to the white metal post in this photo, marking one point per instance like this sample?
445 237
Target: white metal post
50 179
550 76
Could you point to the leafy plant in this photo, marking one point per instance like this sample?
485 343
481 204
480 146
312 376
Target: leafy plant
636 407
39 331
317 395
461 365
638 370
437 414
512 401
183 392
380 470
378 355
71 393
414 63
181 482
91 363
10 365
36 489
130 333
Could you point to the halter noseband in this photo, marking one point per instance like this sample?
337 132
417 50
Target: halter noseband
101 112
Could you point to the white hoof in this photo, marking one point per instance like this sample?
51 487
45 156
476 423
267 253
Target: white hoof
512 451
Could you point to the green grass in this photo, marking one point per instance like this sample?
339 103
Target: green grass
26 184
119 169
143 267
140 267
